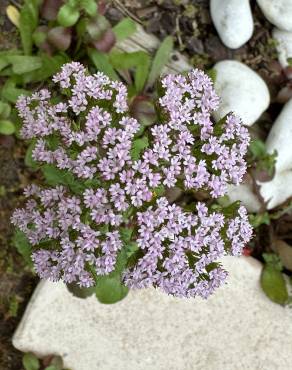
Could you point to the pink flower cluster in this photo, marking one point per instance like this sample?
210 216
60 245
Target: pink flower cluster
51 217
189 142
85 130
174 241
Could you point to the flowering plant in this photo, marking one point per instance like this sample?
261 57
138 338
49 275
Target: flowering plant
106 221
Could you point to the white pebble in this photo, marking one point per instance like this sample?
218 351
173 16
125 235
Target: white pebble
241 90
280 138
284 46
278 190
278 12
245 194
233 21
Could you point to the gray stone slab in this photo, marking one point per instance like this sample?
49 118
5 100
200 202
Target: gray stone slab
237 328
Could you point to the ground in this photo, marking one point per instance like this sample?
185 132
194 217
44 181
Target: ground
16 281
190 23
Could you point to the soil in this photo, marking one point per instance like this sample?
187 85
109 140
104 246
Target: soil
16 281
190 24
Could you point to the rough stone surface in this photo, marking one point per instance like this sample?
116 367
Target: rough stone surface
241 90
278 190
280 138
233 21
284 46
238 328
278 12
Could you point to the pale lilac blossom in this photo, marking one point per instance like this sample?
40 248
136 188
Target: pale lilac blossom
88 135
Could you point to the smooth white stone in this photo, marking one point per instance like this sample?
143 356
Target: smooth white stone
278 12
237 328
233 21
278 190
244 193
280 138
241 90
284 46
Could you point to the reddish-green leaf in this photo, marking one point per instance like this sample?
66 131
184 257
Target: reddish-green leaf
60 37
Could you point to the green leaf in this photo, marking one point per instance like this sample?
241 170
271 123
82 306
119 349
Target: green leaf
103 229
137 146
54 177
50 65
22 64
223 201
73 3
126 233
89 6
30 362
259 219
124 29
10 52
5 109
13 306
142 71
102 63
79 292
273 284
159 190
27 24
258 148
109 290
121 263
80 30
160 59
28 160
6 127
131 248
97 27
68 15
231 210
39 37
212 73
23 246
11 93
57 362
4 57
274 260
139 60
3 63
